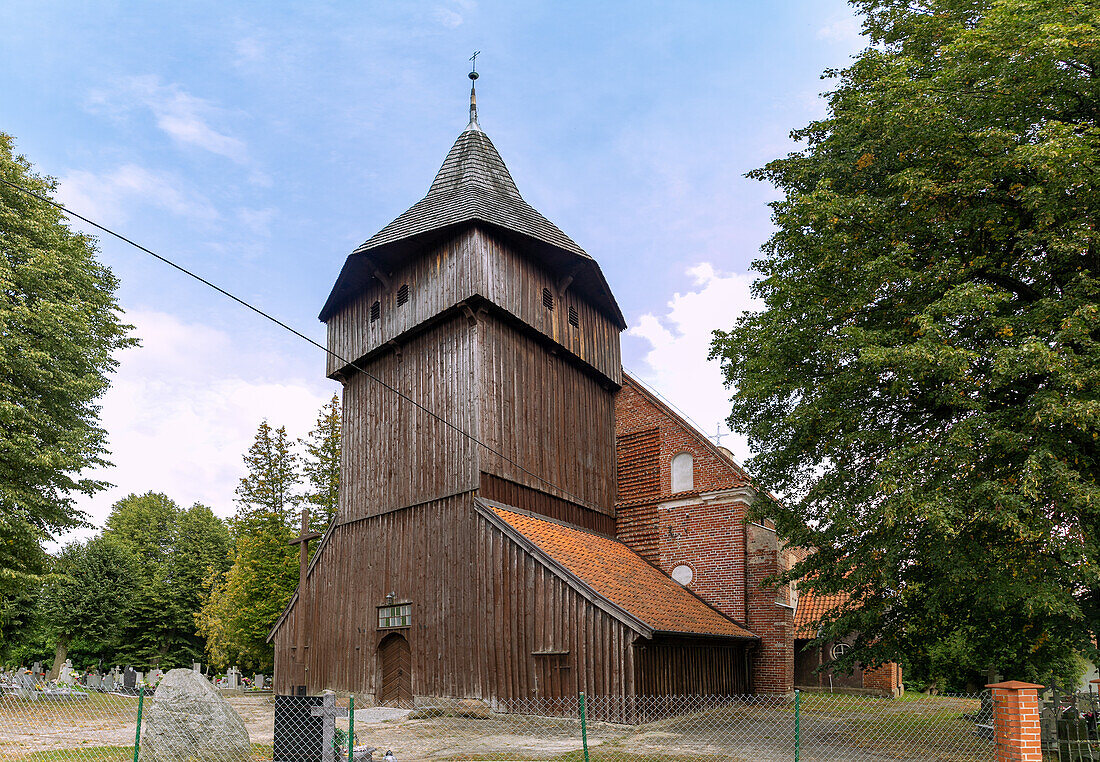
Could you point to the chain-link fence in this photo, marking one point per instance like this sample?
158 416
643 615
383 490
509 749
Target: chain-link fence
183 724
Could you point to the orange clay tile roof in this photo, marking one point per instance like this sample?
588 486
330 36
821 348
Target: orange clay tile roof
810 610
624 578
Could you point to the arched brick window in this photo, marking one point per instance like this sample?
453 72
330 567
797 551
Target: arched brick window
683 472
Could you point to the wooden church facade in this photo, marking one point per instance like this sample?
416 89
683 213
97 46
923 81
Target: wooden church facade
486 569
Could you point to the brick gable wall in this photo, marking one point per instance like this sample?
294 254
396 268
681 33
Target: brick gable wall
701 528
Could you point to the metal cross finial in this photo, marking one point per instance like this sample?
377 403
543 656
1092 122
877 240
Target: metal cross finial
718 434
473 75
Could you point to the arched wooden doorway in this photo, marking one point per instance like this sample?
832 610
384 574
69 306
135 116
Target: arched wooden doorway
395 671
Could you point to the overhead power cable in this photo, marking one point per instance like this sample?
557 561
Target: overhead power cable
268 316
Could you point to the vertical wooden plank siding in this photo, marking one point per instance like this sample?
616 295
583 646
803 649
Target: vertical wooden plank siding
671 667
532 500
426 555
529 613
395 454
474 263
547 415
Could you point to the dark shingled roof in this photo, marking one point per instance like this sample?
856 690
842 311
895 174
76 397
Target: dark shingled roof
473 185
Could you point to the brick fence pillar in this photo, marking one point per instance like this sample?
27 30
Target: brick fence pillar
1016 721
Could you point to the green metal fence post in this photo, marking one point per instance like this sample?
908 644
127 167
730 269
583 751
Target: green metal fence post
351 728
797 727
584 728
137 733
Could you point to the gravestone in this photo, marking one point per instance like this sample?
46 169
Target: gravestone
328 712
94 681
258 682
66 675
196 667
36 669
130 679
155 676
187 720
26 683
232 679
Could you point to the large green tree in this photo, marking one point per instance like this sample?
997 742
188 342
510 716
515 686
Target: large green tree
321 466
89 595
246 600
923 385
59 328
177 551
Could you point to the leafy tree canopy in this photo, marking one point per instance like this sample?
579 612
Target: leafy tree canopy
923 385
59 327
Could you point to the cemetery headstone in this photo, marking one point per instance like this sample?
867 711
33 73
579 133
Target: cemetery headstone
130 678
94 681
66 675
258 682
187 720
36 669
196 667
328 712
232 679
26 683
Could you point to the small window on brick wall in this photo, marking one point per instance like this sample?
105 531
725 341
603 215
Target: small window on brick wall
403 294
375 311
547 299
683 472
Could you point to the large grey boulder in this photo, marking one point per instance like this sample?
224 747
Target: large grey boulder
187 721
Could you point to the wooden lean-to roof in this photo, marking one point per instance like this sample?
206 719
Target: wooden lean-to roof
473 186
614 576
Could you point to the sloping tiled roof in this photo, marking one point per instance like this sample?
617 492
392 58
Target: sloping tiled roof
811 608
620 576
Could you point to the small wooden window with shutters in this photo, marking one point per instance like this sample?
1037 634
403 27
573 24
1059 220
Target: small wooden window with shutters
574 318
403 295
375 311
547 299
396 615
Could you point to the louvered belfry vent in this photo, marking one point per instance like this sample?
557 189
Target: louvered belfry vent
547 299
574 318
403 294
375 311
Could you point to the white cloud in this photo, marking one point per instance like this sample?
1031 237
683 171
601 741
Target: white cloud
182 116
676 363
183 409
843 31
109 197
447 17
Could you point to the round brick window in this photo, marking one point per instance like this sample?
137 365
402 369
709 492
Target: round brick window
683 574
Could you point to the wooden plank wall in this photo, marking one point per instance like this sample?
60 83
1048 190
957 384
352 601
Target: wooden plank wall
670 667
515 283
394 454
536 501
426 555
474 263
438 280
547 415
525 609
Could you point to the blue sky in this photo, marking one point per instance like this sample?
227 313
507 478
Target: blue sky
258 143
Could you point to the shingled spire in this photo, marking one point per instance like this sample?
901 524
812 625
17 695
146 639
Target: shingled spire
474 185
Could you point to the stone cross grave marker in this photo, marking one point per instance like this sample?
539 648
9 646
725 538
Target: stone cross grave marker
36 668
232 679
328 712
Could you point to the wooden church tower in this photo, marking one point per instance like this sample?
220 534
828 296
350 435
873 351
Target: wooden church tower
478 347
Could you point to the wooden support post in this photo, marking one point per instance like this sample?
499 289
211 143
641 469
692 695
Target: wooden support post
302 541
